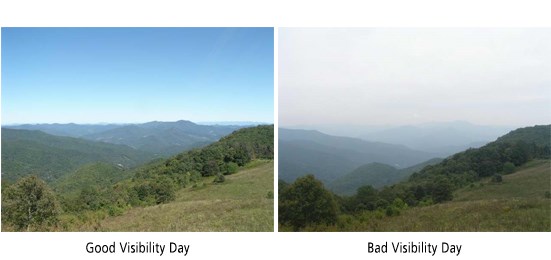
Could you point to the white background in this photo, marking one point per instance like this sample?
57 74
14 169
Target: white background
318 13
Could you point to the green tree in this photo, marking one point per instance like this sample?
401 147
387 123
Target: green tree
29 205
306 202
231 168
508 168
442 190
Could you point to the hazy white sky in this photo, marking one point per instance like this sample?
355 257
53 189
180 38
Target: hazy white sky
406 76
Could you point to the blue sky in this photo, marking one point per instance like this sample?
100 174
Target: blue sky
132 75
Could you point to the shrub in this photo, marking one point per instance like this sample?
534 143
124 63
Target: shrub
30 204
231 168
508 168
219 178
497 178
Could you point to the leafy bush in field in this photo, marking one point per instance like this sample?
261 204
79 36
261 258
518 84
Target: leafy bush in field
219 178
231 168
508 168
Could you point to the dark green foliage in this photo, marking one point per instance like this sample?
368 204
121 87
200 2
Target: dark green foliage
90 175
281 186
29 205
159 189
547 194
497 178
90 198
306 202
230 168
508 168
219 179
377 175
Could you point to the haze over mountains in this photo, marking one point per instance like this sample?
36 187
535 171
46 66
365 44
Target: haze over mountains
328 157
440 138
380 156
159 138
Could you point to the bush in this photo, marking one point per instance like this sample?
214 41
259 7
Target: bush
508 168
29 205
219 178
497 178
231 168
548 195
392 211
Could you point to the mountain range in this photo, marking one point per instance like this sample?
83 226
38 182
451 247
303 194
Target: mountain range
439 138
159 138
329 157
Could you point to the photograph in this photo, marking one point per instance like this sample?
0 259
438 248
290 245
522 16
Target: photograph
137 129
414 129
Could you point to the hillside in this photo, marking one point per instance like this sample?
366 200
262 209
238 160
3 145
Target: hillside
329 157
244 202
377 175
518 203
160 138
51 157
98 174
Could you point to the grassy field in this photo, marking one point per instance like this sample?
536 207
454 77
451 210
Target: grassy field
517 204
244 202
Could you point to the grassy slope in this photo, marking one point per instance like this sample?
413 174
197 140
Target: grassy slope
241 203
517 204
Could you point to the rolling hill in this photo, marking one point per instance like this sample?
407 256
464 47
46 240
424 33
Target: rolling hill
244 202
330 157
518 203
50 157
377 175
